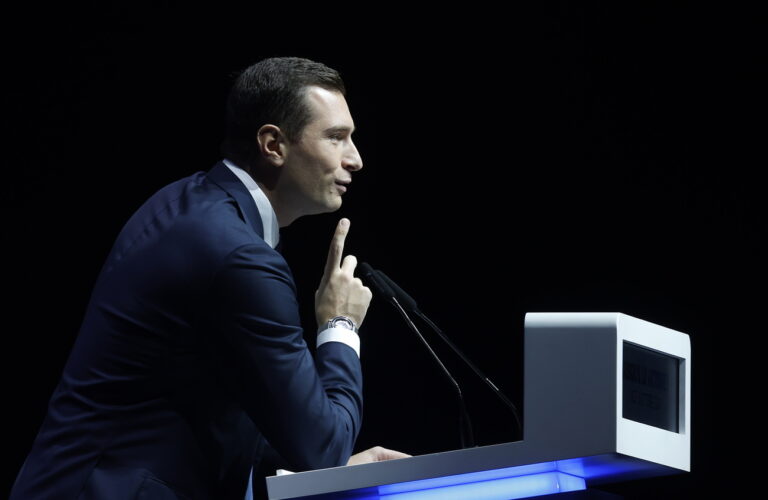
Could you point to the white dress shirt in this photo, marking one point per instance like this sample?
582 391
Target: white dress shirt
267 213
272 237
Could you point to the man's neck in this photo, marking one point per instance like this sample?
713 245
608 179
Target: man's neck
285 216
264 204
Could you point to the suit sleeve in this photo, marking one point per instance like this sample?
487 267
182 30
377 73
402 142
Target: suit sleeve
308 409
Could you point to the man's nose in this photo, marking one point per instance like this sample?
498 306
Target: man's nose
352 160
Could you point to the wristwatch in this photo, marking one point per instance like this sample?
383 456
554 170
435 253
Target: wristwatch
341 322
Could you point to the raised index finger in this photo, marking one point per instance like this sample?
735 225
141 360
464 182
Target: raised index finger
337 246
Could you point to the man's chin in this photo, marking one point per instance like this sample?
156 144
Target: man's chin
333 205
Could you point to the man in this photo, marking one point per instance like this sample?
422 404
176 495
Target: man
190 373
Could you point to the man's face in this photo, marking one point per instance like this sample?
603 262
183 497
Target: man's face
318 168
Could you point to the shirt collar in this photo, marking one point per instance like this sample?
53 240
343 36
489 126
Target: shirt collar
266 212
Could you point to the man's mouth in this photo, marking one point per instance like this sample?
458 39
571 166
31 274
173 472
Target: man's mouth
342 186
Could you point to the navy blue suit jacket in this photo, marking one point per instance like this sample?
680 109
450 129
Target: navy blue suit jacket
190 365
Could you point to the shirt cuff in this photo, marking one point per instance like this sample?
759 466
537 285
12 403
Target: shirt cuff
339 334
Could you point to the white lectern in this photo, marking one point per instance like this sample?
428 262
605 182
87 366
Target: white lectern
607 398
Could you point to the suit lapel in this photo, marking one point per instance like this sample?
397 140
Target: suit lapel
223 177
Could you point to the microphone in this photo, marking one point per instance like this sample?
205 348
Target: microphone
404 298
382 288
373 279
410 304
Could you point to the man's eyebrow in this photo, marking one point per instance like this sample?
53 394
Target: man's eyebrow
339 129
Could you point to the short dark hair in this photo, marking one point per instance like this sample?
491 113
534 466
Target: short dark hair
272 91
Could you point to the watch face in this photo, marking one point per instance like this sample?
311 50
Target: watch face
344 323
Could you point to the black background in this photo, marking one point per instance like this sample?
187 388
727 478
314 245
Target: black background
561 157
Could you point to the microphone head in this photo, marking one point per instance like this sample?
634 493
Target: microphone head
365 269
372 279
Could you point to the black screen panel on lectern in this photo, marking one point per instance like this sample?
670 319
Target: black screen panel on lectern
651 387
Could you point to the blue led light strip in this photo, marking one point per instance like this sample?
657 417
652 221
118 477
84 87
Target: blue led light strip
500 484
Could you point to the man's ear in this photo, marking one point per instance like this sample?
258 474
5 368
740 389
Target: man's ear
272 144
